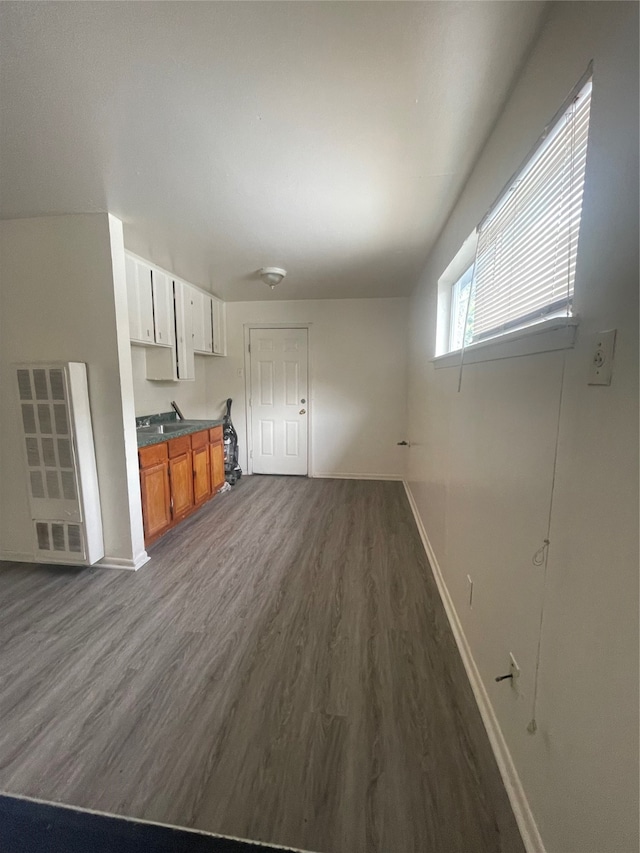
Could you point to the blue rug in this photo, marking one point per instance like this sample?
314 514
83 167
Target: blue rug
27 826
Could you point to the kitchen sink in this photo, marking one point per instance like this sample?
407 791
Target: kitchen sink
174 426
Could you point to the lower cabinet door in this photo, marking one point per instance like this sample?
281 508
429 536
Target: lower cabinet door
181 476
217 465
201 479
156 500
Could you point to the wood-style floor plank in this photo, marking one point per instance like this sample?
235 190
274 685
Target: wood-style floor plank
281 670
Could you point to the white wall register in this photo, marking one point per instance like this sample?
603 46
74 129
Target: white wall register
59 456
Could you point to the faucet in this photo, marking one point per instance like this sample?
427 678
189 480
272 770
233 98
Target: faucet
174 406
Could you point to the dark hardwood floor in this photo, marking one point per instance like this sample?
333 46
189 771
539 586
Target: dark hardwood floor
281 670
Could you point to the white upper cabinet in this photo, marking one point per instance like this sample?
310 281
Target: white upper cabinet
140 301
202 328
219 326
197 324
163 314
207 323
184 330
173 319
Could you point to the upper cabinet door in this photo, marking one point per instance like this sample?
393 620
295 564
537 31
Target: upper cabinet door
167 314
197 325
146 303
207 330
219 322
140 301
202 329
184 331
163 308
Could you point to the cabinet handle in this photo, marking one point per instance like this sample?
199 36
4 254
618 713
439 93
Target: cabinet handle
160 335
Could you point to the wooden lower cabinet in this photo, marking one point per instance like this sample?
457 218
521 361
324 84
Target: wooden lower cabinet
181 480
216 453
155 490
177 476
201 476
156 500
180 476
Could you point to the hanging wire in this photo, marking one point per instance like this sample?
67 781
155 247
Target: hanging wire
541 554
541 557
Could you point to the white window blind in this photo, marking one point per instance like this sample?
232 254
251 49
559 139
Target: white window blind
527 244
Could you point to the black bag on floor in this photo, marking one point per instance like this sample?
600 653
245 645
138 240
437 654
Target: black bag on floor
232 471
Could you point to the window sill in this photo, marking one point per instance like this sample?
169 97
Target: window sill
555 334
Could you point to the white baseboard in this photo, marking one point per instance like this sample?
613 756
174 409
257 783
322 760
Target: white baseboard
105 563
340 476
17 557
121 563
513 786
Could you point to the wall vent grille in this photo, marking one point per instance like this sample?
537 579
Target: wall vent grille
46 427
57 437
59 537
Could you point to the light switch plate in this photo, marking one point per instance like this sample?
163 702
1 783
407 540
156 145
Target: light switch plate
602 360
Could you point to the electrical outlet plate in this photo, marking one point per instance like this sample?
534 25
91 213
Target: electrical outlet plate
602 361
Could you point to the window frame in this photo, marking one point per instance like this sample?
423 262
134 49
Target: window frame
456 289
462 260
545 336
554 325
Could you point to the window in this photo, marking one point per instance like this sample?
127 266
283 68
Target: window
462 311
525 255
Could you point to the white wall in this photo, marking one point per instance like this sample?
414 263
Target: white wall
152 397
358 357
63 298
482 465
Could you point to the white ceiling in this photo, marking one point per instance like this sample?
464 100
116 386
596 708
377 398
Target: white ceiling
331 139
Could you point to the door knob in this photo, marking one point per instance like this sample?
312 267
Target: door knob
302 412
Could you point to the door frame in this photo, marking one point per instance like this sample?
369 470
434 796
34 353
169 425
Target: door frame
247 388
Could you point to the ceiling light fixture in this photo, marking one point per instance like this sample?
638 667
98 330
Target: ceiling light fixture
272 275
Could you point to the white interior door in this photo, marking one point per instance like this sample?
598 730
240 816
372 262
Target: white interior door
279 400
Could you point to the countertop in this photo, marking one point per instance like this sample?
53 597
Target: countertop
147 438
